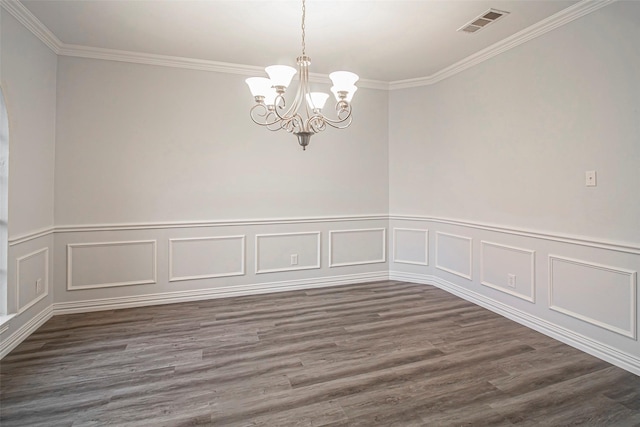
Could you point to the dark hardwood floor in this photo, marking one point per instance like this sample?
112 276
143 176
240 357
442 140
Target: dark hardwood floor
384 353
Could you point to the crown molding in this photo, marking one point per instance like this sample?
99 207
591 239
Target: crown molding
32 23
189 63
559 19
80 51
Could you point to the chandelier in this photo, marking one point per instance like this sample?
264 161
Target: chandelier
304 117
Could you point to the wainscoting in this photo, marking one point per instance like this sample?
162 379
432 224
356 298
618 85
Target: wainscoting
106 267
580 291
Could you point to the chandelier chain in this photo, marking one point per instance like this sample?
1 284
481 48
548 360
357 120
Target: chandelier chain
304 12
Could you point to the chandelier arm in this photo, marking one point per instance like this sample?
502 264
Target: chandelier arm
292 124
348 118
337 124
316 123
266 114
306 92
290 117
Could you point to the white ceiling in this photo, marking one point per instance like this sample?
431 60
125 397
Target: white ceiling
385 40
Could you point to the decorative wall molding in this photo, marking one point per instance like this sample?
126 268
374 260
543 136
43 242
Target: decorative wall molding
45 278
211 293
466 275
602 351
215 223
32 235
13 340
383 247
154 264
426 246
555 237
500 288
241 272
259 270
624 247
33 24
631 300
79 51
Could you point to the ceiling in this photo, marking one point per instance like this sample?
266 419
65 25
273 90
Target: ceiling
383 40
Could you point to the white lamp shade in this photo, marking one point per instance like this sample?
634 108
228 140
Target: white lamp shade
280 75
350 91
316 100
270 97
259 86
343 80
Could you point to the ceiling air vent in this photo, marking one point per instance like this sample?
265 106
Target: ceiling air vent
478 23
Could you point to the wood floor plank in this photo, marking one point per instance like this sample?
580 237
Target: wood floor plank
374 354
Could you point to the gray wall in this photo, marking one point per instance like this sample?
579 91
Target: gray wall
509 141
29 86
492 163
140 143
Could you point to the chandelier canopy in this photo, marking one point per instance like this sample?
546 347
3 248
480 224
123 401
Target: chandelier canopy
304 117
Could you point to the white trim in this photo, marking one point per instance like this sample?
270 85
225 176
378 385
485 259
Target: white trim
4 322
279 270
600 350
556 237
426 246
215 223
538 29
32 235
153 280
25 330
89 52
212 293
468 276
345 264
173 278
529 252
45 292
632 332
33 24
625 247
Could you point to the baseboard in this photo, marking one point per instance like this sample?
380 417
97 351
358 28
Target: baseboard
218 292
602 351
23 332
597 349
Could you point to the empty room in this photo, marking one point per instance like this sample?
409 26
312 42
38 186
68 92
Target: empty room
319 212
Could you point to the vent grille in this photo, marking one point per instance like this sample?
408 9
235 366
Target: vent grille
480 22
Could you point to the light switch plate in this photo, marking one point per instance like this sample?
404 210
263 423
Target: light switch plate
590 178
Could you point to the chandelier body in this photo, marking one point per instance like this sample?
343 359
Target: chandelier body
304 117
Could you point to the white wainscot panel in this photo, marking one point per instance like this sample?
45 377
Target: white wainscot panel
508 269
453 254
32 277
287 252
206 257
601 295
357 247
111 264
411 246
